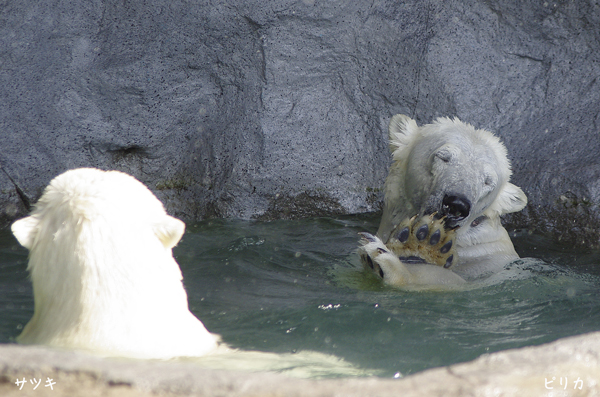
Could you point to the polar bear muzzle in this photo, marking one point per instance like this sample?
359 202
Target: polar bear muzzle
456 208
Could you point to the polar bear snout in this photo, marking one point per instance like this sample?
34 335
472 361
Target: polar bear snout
456 208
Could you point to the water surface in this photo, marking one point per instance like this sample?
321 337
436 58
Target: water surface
296 287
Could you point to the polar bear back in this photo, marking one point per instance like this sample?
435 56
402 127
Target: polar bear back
103 273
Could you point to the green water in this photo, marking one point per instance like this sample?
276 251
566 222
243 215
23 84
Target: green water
296 286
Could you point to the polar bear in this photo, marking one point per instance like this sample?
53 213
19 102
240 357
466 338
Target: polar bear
446 189
104 277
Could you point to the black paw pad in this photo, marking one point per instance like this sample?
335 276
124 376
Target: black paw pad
446 247
425 238
449 262
369 262
435 237
422 232
403 235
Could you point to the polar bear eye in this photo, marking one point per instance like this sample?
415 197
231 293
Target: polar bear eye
444 154
447 153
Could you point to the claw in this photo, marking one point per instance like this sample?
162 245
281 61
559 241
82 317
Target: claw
368 236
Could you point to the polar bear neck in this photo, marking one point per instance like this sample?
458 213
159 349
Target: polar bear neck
97 272
483 249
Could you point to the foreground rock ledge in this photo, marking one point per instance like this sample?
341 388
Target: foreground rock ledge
572 362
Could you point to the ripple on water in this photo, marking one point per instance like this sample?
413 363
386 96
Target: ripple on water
294 290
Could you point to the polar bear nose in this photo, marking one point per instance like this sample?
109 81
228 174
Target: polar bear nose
456 207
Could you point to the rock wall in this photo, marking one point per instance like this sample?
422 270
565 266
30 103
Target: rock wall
261 109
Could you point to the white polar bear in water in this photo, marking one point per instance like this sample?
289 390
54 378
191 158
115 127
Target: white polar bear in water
444 194
104 278
105 281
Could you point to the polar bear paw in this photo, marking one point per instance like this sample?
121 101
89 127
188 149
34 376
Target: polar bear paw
416 240
424 240
370 251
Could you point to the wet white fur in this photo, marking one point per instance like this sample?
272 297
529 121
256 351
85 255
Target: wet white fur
402 274
451 156
104 277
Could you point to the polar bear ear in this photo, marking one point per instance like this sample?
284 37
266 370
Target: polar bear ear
25 231
169 231
510 199
400 131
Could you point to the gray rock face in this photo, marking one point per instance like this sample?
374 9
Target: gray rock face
261 109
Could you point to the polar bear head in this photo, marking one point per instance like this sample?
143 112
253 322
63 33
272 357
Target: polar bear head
449 168
104 278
